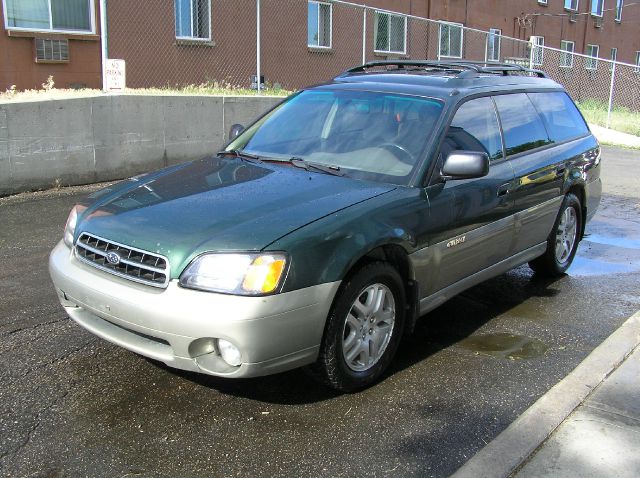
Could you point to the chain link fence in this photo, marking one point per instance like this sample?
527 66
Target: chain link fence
289 44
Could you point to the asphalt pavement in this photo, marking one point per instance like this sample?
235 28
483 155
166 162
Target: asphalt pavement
74 405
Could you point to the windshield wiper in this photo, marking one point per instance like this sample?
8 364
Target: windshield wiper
238 153
306 165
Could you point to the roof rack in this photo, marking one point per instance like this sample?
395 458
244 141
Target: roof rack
464 69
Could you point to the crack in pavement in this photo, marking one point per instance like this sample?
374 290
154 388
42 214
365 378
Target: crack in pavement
33 327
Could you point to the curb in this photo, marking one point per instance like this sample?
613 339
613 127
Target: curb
503 455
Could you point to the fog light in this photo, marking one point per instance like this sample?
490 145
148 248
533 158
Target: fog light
230 353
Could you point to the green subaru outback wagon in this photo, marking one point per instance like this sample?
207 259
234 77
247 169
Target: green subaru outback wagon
321 233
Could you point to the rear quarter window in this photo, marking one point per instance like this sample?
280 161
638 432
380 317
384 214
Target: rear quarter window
562 118
521 124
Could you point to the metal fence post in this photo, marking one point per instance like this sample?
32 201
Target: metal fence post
103 41
258 82
532 47
611 90
364 35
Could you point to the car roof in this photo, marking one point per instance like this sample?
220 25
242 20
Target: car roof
444 80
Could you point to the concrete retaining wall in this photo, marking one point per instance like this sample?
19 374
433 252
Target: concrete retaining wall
84 140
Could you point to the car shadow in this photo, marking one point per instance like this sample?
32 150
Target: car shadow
443 327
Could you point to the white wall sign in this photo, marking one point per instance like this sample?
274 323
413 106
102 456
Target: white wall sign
114 75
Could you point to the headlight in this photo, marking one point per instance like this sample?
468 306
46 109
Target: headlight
72 222
243 274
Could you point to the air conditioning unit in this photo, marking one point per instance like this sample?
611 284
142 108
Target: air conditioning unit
573 17
597 22
51 51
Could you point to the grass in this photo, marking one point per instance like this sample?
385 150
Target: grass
622 119
49 92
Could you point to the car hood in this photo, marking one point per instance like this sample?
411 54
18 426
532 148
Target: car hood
218 205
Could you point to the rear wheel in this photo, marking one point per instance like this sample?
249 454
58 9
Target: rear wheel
363 329
562 243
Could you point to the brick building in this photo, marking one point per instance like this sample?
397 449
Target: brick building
183 42
39 38
178 42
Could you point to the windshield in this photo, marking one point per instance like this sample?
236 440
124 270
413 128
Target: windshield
368 135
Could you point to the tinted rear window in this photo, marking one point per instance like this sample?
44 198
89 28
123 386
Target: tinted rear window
561 116
522 126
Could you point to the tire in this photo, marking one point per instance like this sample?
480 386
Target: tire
563 241
363 329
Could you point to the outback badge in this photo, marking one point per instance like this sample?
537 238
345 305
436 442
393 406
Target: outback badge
456 241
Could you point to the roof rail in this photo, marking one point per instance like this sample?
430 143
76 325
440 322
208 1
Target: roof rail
465 69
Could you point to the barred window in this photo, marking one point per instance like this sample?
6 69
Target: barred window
493 45
451 35
193 19
592 52
537 55
390 33
319 24
566 57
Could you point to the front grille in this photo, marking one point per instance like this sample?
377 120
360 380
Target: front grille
133 264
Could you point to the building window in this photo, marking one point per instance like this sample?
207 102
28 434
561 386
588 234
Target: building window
319 24
597 7
537 53
193 19
614 57
566 57
451 36
69 16
571 5
493 44
637 69
592 52
619 6
390 33
542 2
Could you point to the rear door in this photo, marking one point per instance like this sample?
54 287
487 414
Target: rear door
535 126
470 224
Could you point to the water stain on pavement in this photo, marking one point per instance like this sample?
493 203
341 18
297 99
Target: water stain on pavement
611 247
505 346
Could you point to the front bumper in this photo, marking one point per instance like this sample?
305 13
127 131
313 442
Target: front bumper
179 326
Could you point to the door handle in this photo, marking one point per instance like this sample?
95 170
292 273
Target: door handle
504 189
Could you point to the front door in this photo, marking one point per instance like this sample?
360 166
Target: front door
471 223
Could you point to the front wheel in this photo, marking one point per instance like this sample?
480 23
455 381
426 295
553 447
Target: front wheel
562 243
363 329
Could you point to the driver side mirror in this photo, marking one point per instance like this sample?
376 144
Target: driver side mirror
465 165
235 131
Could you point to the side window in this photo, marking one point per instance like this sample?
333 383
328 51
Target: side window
475 128
560 114
522 126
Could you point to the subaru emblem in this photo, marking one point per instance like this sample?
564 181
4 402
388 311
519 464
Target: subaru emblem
113 258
